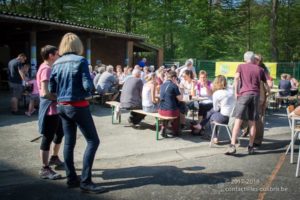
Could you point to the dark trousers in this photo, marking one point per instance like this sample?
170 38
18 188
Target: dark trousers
213 115
135 118
53 132
204 108
81 117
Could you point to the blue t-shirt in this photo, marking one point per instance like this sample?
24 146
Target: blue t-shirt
13 68
286 86
142 63
168 93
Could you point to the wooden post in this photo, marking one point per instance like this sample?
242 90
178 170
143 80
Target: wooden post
129 56
88 50
33 59
160 57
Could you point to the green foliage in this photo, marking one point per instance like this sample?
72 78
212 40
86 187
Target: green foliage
185 28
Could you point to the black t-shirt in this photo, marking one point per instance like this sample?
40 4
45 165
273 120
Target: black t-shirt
13 69
168 93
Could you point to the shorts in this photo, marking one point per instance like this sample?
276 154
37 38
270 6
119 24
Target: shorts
34 97
247 108
16 90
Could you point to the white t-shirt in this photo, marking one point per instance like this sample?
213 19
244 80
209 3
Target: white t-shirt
187 87
223 101
146 96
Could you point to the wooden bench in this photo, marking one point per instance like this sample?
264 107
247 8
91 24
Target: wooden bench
92 99
157 116
113 105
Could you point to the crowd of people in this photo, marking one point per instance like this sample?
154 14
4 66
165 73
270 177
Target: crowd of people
65 79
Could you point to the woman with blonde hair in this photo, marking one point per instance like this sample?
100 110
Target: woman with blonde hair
149 101
71 81
223 103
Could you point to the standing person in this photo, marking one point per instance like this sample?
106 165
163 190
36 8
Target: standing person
142 62
260 123
49 122
187 66
249 75
15 78
71 81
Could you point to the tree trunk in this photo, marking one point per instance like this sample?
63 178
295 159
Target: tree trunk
249 25
273 30
128 17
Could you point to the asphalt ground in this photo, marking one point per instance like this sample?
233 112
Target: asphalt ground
133 165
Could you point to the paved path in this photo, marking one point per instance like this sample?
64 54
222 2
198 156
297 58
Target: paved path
135 166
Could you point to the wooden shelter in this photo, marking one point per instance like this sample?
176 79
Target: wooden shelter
23 33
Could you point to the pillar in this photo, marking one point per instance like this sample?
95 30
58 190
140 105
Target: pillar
33 59
160 57
88 50
129 55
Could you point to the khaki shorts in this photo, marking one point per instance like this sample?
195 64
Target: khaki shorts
247 108
16 90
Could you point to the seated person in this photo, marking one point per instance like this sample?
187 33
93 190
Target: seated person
120 74
34 97
285 85
149 101
204 89
223 103
131 96
187 88
294 85
108 83
100 71
170 97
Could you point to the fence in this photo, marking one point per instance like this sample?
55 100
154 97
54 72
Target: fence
209 66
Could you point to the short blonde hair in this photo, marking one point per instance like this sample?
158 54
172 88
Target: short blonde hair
70 43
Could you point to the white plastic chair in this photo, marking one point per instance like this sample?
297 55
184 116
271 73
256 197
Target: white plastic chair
216 124
298 162
293 137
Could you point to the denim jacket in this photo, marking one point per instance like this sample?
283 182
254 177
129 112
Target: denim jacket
70 78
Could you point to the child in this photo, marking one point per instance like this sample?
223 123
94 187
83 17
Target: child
34 97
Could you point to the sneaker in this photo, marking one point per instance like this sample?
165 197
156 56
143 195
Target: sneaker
251 150
28 114
166 133
54 160
92 188
48 173
32 111
231 150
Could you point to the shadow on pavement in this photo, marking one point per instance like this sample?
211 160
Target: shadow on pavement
162 175
16 184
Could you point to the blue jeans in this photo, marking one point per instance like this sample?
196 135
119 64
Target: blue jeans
71 118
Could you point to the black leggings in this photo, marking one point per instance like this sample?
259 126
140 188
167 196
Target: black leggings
204 108
53 132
